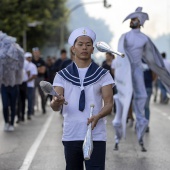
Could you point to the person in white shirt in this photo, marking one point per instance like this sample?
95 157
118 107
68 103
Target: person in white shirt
83 83
30 83
22 93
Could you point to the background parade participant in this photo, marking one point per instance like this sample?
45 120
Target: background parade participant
88 84
11 71
129 73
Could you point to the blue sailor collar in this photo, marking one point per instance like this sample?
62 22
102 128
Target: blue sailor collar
94 73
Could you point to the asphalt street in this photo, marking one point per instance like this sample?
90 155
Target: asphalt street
36 144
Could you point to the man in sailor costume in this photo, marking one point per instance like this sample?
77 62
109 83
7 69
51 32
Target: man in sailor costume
129 75
81 84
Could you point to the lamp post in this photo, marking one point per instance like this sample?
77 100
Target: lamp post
31 24
62 33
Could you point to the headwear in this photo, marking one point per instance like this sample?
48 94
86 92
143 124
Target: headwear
138 14
80 32
27 54
35 49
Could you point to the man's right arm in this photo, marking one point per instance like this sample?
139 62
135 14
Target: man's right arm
56 103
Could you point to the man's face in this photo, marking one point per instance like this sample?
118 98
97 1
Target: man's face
36 54
134 23
83 48
63 56
29 59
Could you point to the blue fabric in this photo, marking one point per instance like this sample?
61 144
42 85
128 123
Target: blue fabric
148 78
163 91
94 73
147 107
82 101
74 156
30 96
9 96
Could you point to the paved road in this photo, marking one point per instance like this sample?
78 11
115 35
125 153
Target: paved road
36 144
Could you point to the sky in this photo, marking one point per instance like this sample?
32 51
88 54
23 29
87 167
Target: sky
157 27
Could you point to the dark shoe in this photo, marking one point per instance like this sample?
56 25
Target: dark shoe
116 147
29 117
17 121
147 130
44 111
22 119
166 101
142 146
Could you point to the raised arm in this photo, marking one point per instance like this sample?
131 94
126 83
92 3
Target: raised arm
56 103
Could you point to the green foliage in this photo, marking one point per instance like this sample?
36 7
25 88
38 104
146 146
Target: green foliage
15 16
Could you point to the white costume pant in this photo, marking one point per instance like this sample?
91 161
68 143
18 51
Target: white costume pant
117 121
139 100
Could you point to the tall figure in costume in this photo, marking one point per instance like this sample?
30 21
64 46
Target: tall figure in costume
83 83
129 75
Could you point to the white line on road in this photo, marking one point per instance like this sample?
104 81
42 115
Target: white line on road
163 113
33 149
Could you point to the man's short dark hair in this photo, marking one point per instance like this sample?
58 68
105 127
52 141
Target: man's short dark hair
63 51
163 55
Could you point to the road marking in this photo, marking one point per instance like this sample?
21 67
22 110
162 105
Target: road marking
33 149
162 113
158 110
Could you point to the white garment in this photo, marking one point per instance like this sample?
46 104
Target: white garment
134 44
25 70
33 71
114 63
82 74
75 121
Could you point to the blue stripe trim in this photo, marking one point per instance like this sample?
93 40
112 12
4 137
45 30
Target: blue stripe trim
95 78
94 73
69 76
64 76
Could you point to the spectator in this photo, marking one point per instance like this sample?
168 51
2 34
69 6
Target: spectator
22 93
41 68
30 84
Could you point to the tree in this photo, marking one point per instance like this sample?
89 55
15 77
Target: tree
15 16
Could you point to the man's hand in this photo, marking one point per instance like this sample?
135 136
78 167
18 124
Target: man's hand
93 120
57 102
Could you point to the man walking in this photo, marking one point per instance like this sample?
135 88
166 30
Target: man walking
83 83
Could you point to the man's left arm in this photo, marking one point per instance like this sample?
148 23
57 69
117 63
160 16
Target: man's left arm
107 95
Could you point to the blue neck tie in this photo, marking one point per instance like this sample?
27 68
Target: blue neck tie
82 101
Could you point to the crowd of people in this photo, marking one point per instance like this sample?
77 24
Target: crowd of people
127 81
19 101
